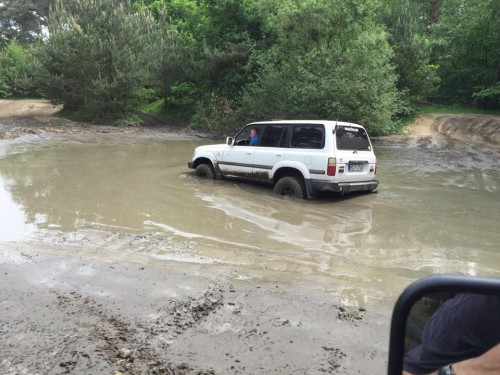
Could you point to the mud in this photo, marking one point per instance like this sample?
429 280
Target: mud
37 117
114 259
67 314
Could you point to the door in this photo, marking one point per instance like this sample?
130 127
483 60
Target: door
237 159
271 149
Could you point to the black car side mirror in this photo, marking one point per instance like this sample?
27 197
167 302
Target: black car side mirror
430 286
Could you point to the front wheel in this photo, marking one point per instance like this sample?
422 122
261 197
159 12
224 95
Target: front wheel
205 171
290 186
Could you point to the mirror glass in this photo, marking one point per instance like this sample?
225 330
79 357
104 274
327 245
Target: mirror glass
453 332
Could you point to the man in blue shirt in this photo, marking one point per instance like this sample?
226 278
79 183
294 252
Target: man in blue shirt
254 137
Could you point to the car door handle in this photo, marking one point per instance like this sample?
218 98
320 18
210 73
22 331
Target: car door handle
249 153
279 155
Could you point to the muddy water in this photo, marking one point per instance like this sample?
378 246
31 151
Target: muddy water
436 211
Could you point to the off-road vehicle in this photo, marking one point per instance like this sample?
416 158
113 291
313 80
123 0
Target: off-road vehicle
298 158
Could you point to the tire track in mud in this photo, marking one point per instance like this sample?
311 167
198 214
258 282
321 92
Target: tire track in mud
132 348
128 319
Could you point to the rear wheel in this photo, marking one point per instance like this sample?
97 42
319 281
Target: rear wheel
205 171
290 186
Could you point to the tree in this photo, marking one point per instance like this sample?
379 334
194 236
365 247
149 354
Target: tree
418 79
327 61
172 64
98 58
18 72
217 36
207 57
467 48
23 20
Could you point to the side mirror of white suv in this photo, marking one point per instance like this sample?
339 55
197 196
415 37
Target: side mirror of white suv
229 141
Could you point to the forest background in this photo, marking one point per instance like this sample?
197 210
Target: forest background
217 64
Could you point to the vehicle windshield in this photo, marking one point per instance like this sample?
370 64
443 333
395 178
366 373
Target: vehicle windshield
352 138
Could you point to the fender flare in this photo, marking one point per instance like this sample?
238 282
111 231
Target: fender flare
297 165
300 168
210 156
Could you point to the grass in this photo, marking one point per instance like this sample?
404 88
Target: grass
157 107
174 112
457 110
26 99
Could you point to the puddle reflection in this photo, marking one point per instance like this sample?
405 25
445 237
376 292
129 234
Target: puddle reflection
13 221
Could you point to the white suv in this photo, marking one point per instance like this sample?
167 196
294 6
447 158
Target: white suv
299 157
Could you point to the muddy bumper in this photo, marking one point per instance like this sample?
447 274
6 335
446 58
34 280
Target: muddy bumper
345 187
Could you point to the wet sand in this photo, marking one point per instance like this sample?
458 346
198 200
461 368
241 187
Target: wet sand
79 314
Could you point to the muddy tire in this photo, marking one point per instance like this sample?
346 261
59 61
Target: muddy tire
290 186
205 171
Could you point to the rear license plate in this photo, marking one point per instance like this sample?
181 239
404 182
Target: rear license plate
355 167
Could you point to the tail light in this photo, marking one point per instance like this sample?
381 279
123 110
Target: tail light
332 167
374 168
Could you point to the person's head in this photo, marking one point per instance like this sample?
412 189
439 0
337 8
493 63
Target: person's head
253 133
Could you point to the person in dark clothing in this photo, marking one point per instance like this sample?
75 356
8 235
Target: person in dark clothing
464 327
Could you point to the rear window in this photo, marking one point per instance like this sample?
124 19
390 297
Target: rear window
308 136
352 138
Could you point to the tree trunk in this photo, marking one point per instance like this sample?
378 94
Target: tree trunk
433 11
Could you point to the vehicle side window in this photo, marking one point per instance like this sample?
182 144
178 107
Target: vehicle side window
308 136
243 134
273 136
243 137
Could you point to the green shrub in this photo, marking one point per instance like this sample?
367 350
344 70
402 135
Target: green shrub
213 114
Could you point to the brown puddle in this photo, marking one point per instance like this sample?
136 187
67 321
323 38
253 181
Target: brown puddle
437 211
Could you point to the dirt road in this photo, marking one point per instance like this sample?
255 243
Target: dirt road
25 117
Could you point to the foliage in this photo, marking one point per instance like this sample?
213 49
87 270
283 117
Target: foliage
227 61
327 61
467 49
458 110
22 20
18 72
418 78
214 113
214 41
98 58
129 120
170 55
490 95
